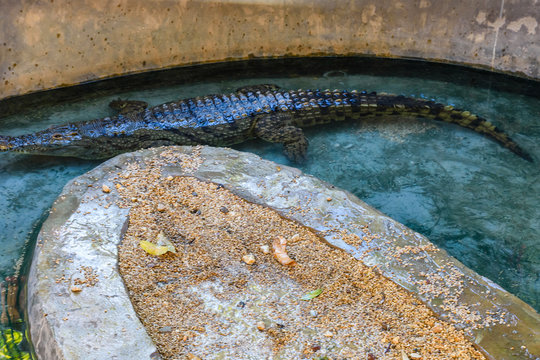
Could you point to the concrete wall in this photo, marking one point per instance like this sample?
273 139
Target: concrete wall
47 44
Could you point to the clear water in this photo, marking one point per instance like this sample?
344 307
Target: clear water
466 193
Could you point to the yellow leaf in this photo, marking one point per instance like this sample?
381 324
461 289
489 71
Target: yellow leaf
153 249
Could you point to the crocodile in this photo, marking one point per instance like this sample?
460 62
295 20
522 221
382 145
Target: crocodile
260 111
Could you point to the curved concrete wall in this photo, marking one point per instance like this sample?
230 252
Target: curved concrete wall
47 44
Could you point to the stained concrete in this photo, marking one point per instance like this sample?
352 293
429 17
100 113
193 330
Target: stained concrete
49 44
79 241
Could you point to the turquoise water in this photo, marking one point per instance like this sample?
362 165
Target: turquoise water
467 194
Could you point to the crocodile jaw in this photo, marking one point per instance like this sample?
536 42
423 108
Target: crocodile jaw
43 144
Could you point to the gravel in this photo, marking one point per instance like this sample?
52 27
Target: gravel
217 305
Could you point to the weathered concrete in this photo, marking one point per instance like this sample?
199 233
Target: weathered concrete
85 226
48 44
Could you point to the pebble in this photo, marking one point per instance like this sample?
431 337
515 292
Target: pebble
76 289
313 313
261 326
165 329
106 189
328 334
265 249
436 329
248 259
224 209
161 207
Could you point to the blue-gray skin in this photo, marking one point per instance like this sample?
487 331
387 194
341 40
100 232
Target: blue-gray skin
261 111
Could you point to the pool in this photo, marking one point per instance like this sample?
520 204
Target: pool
466 193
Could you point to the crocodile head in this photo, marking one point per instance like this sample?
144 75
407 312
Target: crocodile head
5 143
63 140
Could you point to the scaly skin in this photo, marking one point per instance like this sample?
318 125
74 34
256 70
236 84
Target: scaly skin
262 111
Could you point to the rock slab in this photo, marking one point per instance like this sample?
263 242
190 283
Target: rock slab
79 308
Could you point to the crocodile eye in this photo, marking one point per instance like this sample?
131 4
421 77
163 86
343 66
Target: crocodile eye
57 136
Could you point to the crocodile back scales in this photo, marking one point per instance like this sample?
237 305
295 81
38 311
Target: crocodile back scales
223 120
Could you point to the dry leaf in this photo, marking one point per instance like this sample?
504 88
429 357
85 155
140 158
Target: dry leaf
280 253
163 240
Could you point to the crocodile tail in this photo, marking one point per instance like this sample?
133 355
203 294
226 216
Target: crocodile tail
449 114
481 126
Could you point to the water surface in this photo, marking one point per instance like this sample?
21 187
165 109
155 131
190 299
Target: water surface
466 193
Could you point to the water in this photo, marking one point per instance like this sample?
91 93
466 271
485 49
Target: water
466 193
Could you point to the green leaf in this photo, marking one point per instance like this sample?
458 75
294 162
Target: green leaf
9 351
312 295
24 356
10 336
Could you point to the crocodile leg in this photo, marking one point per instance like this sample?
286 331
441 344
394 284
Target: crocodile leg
277 128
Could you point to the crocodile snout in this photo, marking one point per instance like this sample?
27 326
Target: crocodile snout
5 143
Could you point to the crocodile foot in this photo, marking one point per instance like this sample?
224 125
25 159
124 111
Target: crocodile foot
296 151
278 128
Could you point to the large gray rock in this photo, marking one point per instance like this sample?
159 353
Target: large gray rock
79 241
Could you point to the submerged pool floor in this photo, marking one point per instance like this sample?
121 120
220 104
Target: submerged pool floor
466 193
